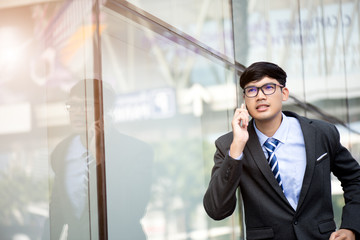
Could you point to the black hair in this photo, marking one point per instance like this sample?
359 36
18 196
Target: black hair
79 90
259 70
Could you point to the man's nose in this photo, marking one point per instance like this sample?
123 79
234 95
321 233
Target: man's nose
261 94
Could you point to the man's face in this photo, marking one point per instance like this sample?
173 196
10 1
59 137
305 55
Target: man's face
81 113
264 107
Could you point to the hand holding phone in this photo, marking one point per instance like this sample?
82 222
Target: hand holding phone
241 120
239 125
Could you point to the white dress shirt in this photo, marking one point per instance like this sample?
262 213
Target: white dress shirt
76 174
291 156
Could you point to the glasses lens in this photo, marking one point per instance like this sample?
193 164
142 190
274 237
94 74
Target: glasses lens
251 91
269 88
67 106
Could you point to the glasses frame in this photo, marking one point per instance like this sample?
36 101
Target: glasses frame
261 88
82 107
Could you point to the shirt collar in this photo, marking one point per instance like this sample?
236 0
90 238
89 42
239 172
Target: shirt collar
280 134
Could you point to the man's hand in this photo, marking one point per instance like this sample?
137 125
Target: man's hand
342 234
239 126
94 135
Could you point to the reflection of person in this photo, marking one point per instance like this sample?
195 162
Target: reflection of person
128 171
285 182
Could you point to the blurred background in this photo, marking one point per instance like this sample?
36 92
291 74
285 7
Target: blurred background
158 84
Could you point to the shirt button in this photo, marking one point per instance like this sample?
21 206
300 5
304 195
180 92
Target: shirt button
296 223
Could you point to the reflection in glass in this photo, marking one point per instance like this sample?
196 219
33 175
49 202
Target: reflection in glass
73 162
176 100
208 21
128 162
24 141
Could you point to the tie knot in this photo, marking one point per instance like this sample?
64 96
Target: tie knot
271 144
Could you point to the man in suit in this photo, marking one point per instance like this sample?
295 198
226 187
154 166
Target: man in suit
128 172
282 163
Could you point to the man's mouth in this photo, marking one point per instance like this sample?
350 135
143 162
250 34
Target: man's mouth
261 107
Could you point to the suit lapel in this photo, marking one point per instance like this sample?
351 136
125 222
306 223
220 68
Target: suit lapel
310 136
257 154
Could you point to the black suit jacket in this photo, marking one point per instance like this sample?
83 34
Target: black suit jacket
128 174
268 214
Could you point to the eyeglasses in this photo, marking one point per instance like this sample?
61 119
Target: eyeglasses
267 89
83 107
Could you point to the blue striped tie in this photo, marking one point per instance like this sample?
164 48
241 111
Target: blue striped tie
270 146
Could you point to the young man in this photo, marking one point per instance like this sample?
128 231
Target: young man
282 164
75 167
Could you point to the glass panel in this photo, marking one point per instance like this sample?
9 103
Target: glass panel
170 104
74 159
208 21
24 130
48 153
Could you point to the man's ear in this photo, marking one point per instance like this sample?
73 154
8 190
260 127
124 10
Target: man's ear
285 93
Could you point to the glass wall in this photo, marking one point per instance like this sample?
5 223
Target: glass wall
208 21
172 100
48 165
110 109
25 124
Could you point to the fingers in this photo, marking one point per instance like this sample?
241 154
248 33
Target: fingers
240 134
93 134
94 128
342 234
241 116
333 236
